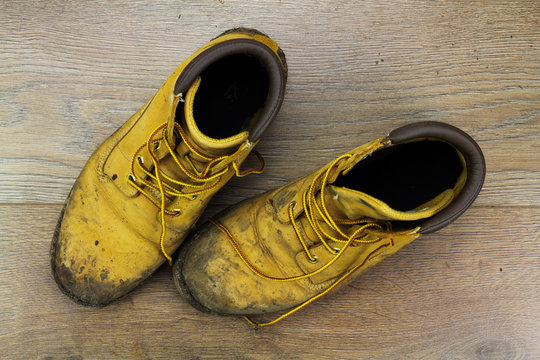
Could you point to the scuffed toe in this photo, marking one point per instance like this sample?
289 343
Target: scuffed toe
202 274
78 279
213 278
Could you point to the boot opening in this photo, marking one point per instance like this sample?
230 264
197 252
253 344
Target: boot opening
406 175
233 89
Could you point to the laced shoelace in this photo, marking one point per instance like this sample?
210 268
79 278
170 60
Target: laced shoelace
316 214
201 181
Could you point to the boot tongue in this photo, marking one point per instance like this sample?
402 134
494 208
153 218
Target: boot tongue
202 142
351 204
348 204
196 139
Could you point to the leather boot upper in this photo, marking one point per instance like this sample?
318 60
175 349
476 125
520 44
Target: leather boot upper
287 247
144 188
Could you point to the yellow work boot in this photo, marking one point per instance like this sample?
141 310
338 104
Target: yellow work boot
285 248
144 188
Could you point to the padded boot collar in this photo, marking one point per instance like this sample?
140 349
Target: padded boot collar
272 62
474 160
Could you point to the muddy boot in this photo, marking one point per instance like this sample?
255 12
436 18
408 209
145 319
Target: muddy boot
144 188
286 248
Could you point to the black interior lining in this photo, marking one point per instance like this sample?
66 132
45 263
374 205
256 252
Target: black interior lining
406 175
232 90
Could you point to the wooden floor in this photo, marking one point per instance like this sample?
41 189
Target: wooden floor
71 72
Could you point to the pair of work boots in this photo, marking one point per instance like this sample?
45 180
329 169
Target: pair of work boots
145 187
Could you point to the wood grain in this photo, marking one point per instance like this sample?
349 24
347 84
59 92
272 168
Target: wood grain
464 292
71 72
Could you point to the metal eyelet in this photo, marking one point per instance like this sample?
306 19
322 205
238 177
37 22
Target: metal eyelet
315 259
336 251
157 145
293 204
131 177
177 212
193 197
140 159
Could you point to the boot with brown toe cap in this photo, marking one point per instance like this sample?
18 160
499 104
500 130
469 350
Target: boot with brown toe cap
286 248
144 188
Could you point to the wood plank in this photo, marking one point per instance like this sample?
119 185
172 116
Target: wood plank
66 84
469 291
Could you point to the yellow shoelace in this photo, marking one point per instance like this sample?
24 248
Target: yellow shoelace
311 208
201 182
